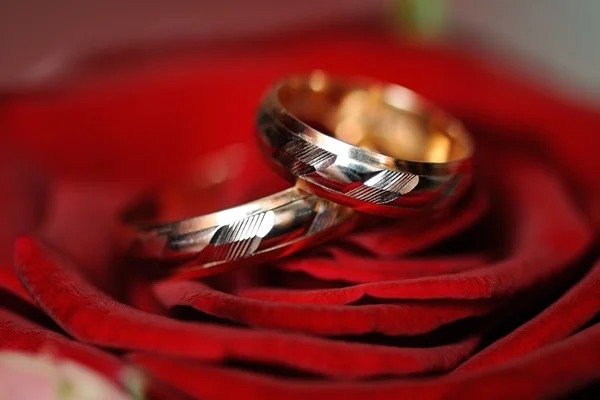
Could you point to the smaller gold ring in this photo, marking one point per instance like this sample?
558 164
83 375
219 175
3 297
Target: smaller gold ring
169 223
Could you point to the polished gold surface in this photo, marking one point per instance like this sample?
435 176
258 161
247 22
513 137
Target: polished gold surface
373 146
383 120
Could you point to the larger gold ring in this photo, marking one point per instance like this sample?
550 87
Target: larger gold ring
373 146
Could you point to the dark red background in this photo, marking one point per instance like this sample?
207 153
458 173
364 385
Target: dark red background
499 299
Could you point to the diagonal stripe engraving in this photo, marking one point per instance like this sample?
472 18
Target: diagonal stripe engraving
240 238
231 241
384 187
302 158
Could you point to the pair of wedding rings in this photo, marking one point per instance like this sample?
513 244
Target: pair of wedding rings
350 147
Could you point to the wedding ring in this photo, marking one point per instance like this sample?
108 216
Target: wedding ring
164 224
376 147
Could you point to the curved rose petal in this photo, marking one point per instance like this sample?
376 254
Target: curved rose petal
572 311
14 297
19 334
93 317
26 376
389 319
356 269
549 235
141 296
552 371
10 283
399 238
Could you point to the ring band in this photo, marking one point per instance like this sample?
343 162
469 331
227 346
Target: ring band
372 146
260 230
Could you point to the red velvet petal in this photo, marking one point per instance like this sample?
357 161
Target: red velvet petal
10 283
390 319
553 371
92 317
402 237
573 310
22 335
358 269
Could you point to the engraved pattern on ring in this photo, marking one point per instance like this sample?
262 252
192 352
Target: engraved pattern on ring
302 158
384 187
241 238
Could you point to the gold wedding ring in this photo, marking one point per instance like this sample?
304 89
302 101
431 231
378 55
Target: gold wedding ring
372 146
174 222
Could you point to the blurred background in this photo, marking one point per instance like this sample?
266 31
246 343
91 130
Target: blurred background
226 52
553 40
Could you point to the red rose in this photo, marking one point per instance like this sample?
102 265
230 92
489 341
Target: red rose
498 299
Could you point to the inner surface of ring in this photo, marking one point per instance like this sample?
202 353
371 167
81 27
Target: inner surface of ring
389 120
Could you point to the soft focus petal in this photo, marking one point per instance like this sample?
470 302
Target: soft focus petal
25 376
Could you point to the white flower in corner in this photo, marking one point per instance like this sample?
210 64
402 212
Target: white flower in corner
27 376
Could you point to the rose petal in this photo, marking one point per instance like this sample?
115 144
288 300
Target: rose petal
358 269
92 317
399 238
572 311
20 334
10 283
555 370
389 319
